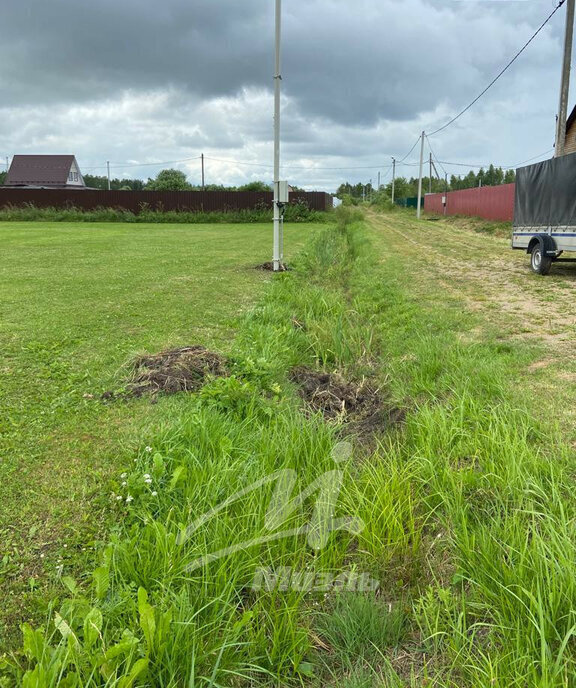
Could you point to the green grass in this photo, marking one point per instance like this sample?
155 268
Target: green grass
467 507
77 302
294 212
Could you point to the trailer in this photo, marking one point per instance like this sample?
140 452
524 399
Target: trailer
545 212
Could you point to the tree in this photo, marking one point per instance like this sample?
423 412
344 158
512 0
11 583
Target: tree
101 182
2 178
254 186
509 177
169 180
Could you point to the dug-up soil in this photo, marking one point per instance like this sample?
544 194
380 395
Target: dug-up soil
360 405
177 370
269 266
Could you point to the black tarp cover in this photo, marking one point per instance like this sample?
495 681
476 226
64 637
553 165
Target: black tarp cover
546 193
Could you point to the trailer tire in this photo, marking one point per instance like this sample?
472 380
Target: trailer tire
539 262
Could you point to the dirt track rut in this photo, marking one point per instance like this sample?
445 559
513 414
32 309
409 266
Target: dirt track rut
490 278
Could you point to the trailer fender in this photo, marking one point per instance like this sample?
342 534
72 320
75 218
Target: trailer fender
548 244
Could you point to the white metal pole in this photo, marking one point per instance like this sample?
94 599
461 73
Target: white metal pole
565 84
418 212
278 249
108 166
393 177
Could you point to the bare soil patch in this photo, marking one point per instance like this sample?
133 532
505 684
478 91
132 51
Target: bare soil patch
361 405
269 266
177 370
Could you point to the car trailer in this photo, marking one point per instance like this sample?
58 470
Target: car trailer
545 212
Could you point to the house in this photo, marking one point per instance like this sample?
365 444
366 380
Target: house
570 140
45 172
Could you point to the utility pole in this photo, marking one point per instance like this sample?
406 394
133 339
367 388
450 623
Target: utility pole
278 248
378 181
202 158
430 177
445 191
565 83
393 177
7 164
108 167
418 210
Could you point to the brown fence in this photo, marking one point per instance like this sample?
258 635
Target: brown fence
489 202
208 201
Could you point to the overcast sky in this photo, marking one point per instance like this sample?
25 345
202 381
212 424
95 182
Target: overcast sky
148 81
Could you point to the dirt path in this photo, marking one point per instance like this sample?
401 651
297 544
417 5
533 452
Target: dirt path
491 279
450 261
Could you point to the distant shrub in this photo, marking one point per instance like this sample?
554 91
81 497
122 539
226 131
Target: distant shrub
295 212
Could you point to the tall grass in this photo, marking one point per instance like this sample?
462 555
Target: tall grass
469 524
295 212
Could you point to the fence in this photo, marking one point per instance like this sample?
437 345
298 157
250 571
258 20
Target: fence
134 201
488 202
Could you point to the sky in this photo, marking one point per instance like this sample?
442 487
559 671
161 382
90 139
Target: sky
149 84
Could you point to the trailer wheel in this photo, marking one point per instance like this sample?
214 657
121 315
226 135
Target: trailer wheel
539 262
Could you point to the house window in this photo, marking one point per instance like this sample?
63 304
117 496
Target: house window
70 177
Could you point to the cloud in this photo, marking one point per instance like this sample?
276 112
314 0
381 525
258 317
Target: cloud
150 82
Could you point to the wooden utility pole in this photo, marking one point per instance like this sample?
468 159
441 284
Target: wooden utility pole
393 177
430 177
565 84
202 158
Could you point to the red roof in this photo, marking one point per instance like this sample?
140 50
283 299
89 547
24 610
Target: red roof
39 170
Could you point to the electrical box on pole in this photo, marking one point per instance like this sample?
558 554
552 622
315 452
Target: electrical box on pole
282 192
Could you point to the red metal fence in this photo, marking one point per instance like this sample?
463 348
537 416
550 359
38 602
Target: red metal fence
134 201
489 202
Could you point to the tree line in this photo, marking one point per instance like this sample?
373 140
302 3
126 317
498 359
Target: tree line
408 188
166 180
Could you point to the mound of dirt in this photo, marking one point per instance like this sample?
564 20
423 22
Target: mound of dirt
178 370
359 404
269 266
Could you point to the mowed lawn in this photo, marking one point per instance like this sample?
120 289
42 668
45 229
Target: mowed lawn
77 302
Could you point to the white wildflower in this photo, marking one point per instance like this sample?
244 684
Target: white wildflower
124 483
146 476
129 499
118 498
154 493
148 481
124 475
148 449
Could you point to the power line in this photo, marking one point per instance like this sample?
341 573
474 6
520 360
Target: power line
504 167
505 69
435 156
122 165
399 162
300 167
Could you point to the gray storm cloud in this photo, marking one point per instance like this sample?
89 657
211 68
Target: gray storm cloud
185 74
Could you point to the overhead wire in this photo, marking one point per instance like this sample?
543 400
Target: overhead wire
502 71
